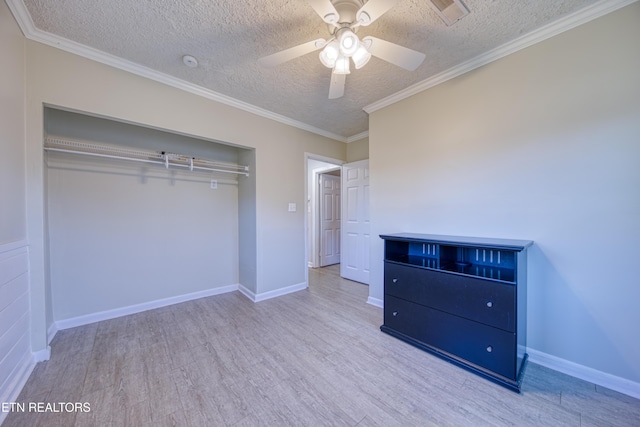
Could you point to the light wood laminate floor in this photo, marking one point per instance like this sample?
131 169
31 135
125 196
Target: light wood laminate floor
315 357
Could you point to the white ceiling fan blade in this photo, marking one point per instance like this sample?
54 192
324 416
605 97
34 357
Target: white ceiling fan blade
336 89
326 10
372 10
291 53
395 54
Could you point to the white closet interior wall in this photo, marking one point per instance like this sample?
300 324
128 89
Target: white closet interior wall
123 233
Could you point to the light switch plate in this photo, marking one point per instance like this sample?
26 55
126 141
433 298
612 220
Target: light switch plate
292 207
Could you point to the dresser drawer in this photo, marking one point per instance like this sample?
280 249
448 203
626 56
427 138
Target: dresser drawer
482 345
489 302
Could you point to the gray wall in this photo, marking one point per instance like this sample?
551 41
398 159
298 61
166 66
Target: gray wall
358 150
247 234
12 121
541 145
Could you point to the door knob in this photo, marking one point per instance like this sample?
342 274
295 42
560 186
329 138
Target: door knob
394 280
490 304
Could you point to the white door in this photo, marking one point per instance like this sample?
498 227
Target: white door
355 221
329 219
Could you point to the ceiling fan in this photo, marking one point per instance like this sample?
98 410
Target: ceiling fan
344 17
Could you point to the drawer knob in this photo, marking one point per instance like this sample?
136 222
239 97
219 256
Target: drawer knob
394 280
490 304
395 313
489 349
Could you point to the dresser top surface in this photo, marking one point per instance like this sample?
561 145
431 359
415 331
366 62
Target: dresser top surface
509 244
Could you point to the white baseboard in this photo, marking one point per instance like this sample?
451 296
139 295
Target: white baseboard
138 308
272 294
16 382
42 355
247 293
51 332
600 378
375 302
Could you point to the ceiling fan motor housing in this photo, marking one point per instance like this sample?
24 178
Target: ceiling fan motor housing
347 10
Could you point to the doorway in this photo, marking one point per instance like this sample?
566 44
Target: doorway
328 170
328 214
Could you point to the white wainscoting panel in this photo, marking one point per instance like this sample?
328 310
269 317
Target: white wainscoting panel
16 360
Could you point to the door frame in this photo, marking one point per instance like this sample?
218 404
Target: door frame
310 226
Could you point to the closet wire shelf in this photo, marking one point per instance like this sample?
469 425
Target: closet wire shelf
138 155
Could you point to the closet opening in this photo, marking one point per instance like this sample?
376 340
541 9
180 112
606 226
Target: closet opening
141 217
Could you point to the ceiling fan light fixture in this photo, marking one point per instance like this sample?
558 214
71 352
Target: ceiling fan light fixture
344 18
329 54
349 43
342 65
361 57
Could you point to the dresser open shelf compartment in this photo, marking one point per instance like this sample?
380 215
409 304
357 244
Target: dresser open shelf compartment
461 298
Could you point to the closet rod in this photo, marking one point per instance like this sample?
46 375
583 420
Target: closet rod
133 159
164 159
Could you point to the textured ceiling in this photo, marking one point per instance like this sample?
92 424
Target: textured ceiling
229 36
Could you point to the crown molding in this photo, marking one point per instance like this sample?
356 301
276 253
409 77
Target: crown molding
578 18
23 18
357 137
